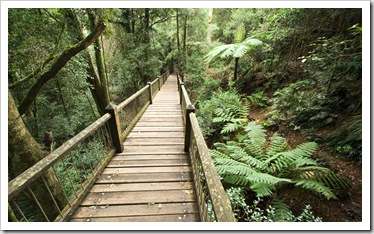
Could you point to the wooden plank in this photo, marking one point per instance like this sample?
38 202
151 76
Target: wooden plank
97 188
136 170
158 129
163 112
136 210
155 134
153 148
138 197
149 163
178 123
139 151
149 156
160 119
154 140
144 177
152 143
153 218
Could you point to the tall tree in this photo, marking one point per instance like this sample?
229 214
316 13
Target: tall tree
104 89
209 29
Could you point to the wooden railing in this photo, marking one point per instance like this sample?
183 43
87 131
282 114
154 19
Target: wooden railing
64 177
214 204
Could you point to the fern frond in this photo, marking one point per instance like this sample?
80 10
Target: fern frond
277 144
316 187
227 162
259 177
217 51
239 33
230 127
230 49
239 154
262 189
252 42
256 133
286 159
237 180
240 50
281 210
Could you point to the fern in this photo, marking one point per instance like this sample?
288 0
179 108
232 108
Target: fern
282 211
267 166
262 189
317 187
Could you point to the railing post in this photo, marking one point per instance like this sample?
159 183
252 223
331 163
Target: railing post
150 92
114 127
159 85
178 81
180 92
187 137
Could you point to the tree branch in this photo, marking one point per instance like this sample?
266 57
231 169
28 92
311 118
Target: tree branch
39 69
58 65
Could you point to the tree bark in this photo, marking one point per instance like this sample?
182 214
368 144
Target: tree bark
58 65
104 90
236 68
209 29
178 44
23 153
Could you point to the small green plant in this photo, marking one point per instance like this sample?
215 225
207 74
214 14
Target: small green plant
259 99
222 108
278 211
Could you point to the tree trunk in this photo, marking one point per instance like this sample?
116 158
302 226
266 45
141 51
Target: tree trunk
146 25
92 78
236 69
104 90
209 29
58 65
23 153
127 16
178 44
132 22
63 101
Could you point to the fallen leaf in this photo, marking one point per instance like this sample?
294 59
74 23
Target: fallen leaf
188 191
151 203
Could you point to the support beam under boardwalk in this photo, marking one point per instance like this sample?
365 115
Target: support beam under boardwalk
152 179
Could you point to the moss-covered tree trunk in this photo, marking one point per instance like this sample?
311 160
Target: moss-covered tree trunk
23 153
104 89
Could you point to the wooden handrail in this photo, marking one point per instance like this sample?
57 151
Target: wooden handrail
34 172
214 205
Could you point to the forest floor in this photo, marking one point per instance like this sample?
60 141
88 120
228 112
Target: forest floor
348 208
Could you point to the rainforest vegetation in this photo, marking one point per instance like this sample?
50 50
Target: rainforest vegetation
278 94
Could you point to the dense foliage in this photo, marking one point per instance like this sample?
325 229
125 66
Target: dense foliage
256 76
304 78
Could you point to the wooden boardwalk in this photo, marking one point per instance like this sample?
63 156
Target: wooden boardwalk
152 179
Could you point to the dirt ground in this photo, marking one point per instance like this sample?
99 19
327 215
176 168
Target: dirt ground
348 208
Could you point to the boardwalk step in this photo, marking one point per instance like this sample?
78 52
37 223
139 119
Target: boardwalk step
151 218
180 209
144 177
138 197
